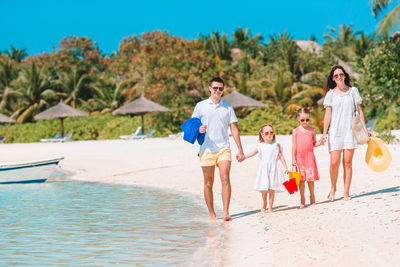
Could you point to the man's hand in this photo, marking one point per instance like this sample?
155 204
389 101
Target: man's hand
202 128
240 156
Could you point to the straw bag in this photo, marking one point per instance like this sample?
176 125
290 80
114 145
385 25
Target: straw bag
359 130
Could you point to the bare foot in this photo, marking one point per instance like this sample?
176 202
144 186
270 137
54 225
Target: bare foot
331 197
270 210
312 200
263 209
213 217
347 198
302 206
227 218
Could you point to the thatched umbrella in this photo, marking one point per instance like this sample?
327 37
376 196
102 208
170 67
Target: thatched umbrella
238 100
60 111
4 119
140 106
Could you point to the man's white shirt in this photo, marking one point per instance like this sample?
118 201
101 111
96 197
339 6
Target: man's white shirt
218 118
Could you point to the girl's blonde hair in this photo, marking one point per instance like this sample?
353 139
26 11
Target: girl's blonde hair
260 138
303 110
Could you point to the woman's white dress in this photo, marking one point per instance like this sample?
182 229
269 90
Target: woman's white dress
340 135
270 175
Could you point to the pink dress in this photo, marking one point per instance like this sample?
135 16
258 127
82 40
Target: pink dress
305 155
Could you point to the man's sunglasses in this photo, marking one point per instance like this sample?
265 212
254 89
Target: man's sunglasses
215 88
302 120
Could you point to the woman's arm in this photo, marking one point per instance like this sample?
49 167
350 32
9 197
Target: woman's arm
294 145
327 120
359 109
282 158
252 153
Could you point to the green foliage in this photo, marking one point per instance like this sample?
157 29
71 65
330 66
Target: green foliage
174 72
380 84
387 121
387 136
97 127
282 123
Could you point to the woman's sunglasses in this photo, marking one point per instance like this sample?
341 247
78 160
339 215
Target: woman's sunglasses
337 75
303 120
268 133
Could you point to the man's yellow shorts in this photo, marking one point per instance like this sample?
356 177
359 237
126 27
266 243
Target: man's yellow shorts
213 158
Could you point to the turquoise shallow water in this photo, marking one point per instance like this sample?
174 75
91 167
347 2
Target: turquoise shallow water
94 224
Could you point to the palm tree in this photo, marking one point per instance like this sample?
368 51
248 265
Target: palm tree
363 45
218 45
73 82
111 92
17 54
244 40
8 76
34 87
390 20
286 49
276 86
344 35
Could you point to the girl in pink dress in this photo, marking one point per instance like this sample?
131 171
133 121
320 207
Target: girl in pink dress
303 157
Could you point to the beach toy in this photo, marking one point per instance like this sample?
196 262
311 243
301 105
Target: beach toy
295 174
378 157
290 186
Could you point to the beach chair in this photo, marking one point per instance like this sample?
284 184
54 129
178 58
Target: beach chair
2 139
66 138
55 137
175 136
371 124
131 136
147 135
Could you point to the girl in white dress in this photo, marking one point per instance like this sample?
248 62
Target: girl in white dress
269 177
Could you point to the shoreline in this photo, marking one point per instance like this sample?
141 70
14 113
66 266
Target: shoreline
360 231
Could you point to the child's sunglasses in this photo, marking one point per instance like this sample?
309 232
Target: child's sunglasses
268 133
302 120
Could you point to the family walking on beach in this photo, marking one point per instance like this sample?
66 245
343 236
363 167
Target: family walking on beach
216 116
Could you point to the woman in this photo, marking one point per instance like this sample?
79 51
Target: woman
339 108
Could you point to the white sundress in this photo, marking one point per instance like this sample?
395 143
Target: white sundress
340 135
270 175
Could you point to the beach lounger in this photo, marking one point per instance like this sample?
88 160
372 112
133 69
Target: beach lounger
175 136
131 136
55 137
147 135
66 138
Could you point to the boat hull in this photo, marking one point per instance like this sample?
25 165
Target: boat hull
31 172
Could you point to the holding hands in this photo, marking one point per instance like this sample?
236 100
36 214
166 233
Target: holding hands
240 156
322 140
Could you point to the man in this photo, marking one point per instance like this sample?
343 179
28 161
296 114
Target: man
216 115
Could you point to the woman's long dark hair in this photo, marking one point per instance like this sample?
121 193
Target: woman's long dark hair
330 83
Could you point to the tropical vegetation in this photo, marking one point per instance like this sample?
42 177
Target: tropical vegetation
174 72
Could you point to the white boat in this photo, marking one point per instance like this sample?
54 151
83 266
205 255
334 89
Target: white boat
30 172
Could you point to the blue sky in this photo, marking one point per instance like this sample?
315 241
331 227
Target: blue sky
40 24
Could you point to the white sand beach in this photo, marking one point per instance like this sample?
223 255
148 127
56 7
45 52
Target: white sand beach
364 231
